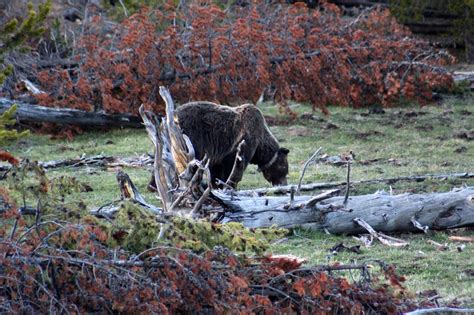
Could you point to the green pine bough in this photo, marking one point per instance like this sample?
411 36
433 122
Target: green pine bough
9 135
14 34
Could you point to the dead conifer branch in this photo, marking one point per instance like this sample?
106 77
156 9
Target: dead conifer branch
206 193
384 239
348 178
129 191
159 173
320 197
193 182
438 246
306 164
238 159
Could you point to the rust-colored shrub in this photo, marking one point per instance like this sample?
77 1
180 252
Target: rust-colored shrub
204 53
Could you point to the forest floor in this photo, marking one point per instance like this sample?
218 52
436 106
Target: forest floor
401 141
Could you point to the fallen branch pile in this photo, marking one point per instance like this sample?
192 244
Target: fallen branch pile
93 161
49 279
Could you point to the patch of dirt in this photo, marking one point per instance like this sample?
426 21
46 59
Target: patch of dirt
469 272
278 121
370 162
376 111
414 114
299 131
364 134
330 125
64 147
465 135
460 149
396 162
310 117
392 161
343 248
424 128
428 293
445 121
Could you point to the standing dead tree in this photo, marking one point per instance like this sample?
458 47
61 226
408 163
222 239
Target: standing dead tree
178 175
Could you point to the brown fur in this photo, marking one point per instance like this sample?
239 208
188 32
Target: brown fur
217 130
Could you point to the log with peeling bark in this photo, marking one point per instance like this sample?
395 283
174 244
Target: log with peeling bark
382 211
34 113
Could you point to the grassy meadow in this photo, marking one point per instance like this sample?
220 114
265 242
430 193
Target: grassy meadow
398 142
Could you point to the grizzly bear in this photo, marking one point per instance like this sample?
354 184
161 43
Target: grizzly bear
216 131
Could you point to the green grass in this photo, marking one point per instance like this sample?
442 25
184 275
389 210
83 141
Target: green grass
406 140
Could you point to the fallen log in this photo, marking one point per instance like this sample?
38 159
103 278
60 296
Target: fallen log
442 310
463 76
93 161
64 116
281 190
382 211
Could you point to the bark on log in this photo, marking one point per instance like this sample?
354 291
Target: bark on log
383 212
35 113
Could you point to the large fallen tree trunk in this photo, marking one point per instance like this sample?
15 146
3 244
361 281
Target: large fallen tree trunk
382 211
35 113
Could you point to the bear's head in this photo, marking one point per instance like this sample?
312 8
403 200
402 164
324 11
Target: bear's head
277 169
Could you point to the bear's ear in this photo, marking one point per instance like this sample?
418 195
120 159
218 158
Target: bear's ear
284 150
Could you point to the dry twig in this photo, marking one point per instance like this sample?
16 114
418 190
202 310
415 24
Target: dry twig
461 239
384 239
306 164
238 159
